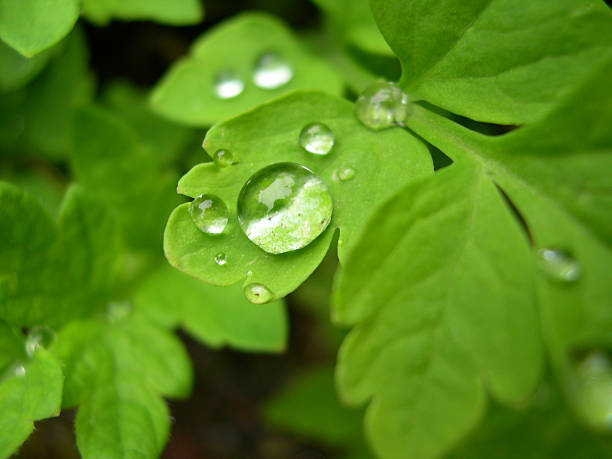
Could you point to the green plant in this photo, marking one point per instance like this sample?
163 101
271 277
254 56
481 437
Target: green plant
471 219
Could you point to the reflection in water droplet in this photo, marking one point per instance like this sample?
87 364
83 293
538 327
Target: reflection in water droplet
209 213
228 84
382 105
117 310
271 71
220 259
257 293
316 138
594 390
38 337
284 207
559 265
223 158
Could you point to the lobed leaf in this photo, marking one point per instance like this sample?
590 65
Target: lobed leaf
187 93
492 60
17 70
269 134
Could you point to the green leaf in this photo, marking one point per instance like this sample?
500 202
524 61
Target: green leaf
52 272
30 26
30 389
115 371
435 318
492 60
353 20
111 161
269 134
187 93
214 315
39 117
308 406
175 12
17 70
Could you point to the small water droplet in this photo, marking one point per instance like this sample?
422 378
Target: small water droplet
209 213
594 390
316 138
223 158
271 71
559 265
117 310
382 105
257 293
343 174
38 337
220 259
284 207
228 84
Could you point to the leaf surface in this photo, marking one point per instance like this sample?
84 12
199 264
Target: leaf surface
492 60
269 134
187 93
174 12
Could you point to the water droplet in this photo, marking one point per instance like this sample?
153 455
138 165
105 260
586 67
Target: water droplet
220 259
223 158
228 84
594 390
38 337
209 213
343 174
271 71
316 138
559 265
257 293
284 207
382 105
117 310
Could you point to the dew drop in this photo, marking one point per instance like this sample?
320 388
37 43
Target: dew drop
271 71
257 293
228 84
223 158
559 265
316 138
343 174
220 259
117 310
594 390
19 370
382 105
38 337
284 207
209 213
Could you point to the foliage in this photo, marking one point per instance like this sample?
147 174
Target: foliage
458 337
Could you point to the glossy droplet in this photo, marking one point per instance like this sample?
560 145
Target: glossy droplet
594 390
559 265
257 293
382 105
117 310
316 138
220 259
271 71
209 213
343 174
38 337
284 207
223 158
228 84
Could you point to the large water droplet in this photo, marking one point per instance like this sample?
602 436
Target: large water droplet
223 158
220 259
284 207
594 390
271 71
257 293
228 84
382 105
209 213
38 337
559 265
316 138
